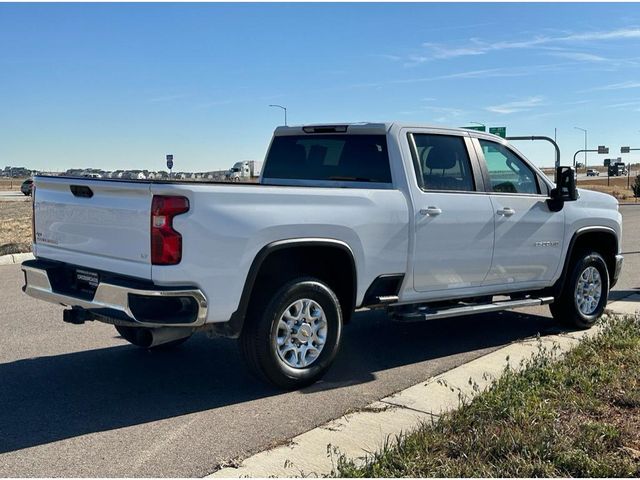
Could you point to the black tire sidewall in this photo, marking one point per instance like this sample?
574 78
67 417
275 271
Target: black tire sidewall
586 260
275 369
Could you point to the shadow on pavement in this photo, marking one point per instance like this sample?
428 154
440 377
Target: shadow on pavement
47 399
621 294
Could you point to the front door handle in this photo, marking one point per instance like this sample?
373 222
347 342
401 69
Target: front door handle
431 211
506 212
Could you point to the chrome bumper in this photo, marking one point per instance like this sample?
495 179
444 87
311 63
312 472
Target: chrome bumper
109 298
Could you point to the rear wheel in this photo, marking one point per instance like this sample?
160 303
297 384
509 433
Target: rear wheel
292 338
584 295
141 337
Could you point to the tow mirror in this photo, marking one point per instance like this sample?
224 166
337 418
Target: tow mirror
565 190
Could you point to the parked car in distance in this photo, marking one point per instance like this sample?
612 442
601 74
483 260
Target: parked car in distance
592 172
27 186
425 222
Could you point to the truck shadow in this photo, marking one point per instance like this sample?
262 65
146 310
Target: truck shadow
52 398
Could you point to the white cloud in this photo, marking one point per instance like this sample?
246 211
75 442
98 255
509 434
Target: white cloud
616 86
517 105
579 56
480 47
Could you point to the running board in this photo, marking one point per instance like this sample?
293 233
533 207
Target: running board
425 313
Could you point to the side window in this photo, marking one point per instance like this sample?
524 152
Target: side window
507 172
442 163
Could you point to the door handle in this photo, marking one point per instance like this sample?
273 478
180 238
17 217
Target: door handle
431 211
506 212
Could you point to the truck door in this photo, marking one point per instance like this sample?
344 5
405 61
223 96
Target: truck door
528 236
453 217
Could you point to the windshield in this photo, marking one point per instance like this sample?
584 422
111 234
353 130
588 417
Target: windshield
357 158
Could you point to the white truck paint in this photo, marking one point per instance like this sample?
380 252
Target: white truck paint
440 232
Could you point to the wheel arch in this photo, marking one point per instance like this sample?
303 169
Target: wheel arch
602 239
297 249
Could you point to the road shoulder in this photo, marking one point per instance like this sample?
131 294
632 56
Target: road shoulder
356 434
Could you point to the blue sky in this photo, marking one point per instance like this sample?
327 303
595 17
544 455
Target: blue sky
120 85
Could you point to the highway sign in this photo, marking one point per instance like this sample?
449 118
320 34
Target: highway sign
603 149
500 131
625 149
169 162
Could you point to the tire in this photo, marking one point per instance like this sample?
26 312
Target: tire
138 336
298 299
588 268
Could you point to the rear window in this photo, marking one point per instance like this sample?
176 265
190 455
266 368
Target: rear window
346 158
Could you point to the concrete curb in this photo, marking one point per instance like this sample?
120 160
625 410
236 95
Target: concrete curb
357 434
14 258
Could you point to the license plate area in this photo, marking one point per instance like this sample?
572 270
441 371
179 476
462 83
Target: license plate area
86 281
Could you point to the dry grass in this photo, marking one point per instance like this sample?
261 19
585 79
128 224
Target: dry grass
11 183
15 227
617 186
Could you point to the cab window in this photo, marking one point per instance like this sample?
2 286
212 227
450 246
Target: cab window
442 163
507 172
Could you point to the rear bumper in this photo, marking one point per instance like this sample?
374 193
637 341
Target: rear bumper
143 305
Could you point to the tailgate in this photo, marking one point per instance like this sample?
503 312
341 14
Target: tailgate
99 224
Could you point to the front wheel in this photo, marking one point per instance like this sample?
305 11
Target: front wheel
293 339
584 295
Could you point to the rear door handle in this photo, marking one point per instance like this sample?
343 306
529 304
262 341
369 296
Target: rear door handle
506 211
431 211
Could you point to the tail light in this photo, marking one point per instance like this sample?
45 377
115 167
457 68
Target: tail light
166 243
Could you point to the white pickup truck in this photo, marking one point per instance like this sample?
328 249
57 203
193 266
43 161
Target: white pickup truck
425 222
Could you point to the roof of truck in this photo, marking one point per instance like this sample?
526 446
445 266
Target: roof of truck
365 128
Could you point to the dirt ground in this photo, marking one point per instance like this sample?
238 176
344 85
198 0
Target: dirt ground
11 183
617 187
15 227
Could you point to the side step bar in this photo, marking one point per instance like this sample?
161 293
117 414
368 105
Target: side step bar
426 313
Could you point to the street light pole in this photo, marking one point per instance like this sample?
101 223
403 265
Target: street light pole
285 112
585 145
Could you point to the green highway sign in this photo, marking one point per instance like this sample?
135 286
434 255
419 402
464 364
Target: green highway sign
500 131
480 128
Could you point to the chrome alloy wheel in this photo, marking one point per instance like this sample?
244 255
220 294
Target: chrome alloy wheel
588 290
301 333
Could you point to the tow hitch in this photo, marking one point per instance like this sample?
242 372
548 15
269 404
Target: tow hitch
77 316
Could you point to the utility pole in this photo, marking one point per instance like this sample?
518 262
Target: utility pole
285 112
585 145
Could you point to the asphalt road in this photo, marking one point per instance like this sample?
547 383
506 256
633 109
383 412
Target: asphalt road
80 401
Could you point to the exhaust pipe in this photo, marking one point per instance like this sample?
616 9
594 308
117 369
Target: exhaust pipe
152 337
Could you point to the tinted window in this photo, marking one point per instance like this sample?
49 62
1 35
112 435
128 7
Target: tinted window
507 172
358 158
443 163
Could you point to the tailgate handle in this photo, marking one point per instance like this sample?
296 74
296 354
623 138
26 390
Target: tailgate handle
81 191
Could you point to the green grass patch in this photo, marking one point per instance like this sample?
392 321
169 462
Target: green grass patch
577 417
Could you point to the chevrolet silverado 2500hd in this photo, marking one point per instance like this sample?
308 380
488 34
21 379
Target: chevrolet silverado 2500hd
425 222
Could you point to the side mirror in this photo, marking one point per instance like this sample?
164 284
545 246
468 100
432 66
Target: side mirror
565 185
565 190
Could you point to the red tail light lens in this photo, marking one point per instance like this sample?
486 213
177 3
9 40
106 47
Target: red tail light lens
166 243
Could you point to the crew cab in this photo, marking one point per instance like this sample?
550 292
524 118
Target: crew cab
425 222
